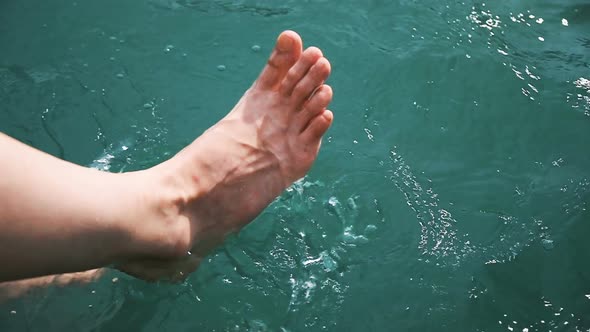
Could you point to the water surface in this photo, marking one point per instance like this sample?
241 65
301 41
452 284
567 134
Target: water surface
451 193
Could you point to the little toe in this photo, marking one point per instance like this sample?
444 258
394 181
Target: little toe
287 51
317 127
316 76
315 105
309 57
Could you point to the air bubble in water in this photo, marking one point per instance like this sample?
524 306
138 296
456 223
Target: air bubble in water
547 244
370 229
333 201
329 263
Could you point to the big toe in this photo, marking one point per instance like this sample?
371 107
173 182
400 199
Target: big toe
287 51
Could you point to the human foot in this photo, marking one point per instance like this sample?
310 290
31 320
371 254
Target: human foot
227 176
269 140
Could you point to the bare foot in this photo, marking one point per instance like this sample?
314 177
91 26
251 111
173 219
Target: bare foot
227 176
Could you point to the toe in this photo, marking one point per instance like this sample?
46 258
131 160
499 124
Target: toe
315 106
317 128
309 57
318 73
287 51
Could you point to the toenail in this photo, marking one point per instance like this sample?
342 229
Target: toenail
285 43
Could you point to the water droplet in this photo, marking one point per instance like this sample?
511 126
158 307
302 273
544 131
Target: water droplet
329 263
547 244
564 22
541 39
558 162
255 48
120 75
168 48
221 68
370 229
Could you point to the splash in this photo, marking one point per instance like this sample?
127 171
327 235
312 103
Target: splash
439 241
581 99
114 152
553 318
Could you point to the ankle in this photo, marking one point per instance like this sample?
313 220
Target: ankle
158 228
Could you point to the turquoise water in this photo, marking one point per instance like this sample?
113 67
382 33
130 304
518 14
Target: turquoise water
451 193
